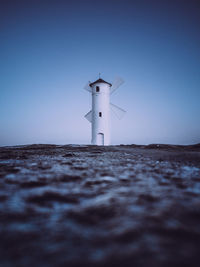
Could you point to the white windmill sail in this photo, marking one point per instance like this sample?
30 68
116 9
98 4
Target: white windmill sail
116 84
88 116
119 112
87 87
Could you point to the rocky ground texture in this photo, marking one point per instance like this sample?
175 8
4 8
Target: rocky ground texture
100 206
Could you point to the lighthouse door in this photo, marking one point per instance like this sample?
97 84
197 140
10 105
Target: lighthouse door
100 139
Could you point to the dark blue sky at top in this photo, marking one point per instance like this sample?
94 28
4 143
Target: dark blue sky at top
50 49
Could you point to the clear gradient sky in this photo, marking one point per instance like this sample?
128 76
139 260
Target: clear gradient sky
50 49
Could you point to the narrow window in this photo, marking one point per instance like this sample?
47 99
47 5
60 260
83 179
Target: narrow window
100 114
97 89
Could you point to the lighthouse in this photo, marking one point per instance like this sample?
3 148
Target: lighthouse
99 115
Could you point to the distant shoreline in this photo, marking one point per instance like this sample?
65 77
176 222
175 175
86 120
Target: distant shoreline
150 146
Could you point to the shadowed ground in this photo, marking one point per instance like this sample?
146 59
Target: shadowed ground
100 206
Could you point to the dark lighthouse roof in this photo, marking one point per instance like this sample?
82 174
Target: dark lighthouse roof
99 81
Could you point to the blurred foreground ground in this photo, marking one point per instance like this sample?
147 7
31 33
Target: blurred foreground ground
100 206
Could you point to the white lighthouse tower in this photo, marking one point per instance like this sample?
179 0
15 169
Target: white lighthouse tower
99 116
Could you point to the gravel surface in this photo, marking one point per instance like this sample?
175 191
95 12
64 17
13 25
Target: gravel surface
100 206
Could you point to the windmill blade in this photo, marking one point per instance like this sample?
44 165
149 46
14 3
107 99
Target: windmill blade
87 87
119 112
88 116
116 84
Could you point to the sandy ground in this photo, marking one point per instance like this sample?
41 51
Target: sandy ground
100 206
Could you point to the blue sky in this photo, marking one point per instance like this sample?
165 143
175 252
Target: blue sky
50 49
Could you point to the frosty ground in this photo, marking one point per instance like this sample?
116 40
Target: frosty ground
100 206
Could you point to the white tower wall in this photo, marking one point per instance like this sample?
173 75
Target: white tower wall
101 114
